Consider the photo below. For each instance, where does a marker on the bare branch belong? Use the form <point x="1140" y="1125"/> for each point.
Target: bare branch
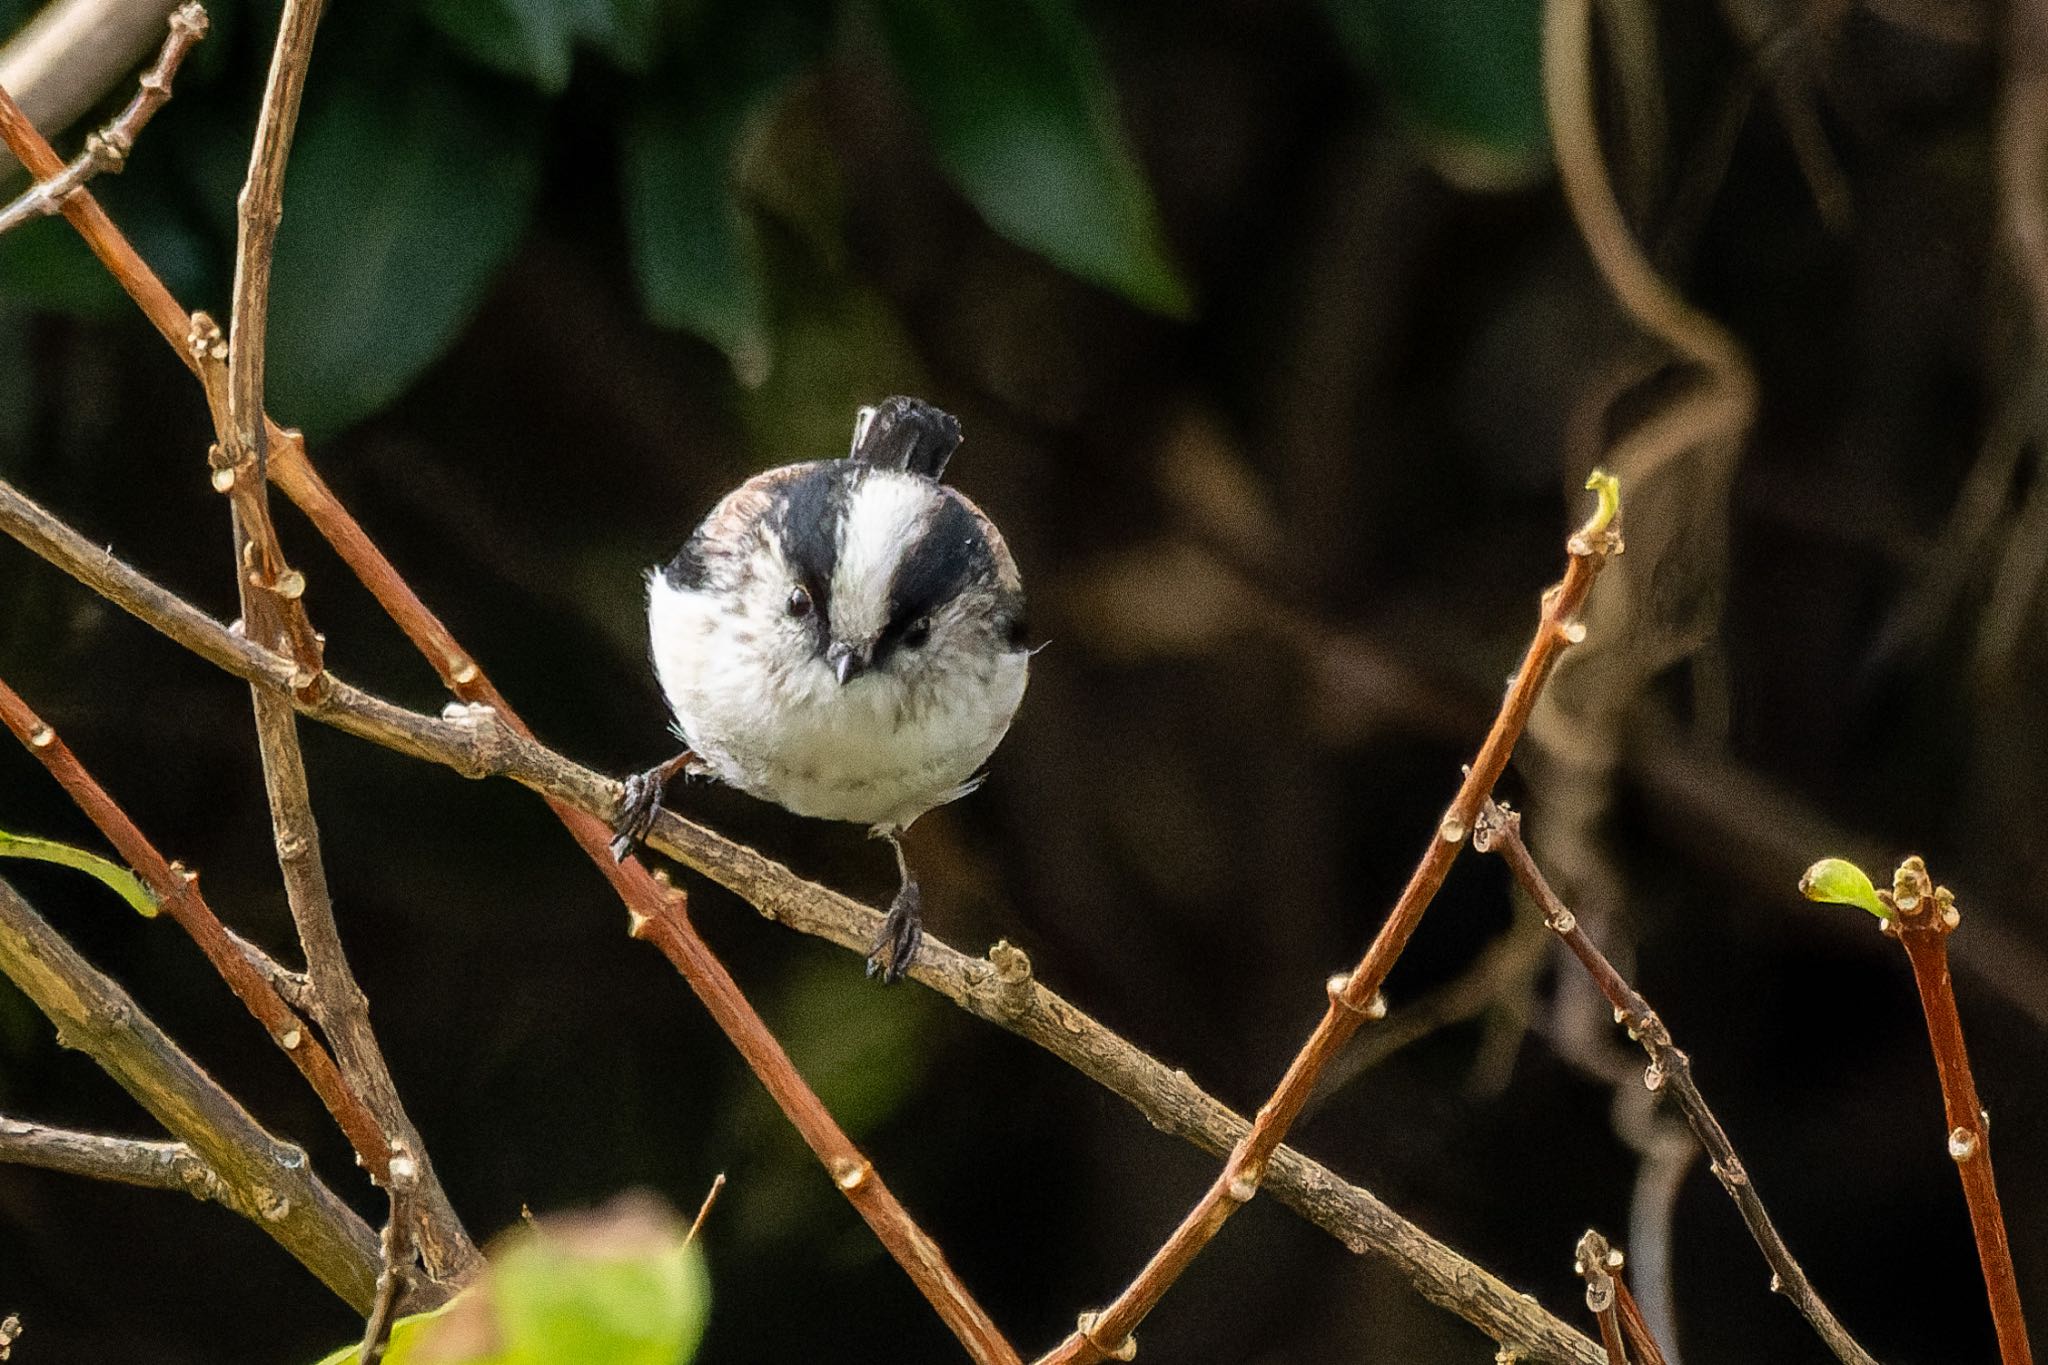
<point x="177" y="888"/>
<point x="124" y="1161"/>
<point x="1670" y="1071"/>
<point x="261" y="1172"/>
<point x="1355" y="997"/>
<point x="1923" y="916"/>
<point x="106" y="151"/>
<point x="1000" y="989"/>
<point x="395" y="1272"/>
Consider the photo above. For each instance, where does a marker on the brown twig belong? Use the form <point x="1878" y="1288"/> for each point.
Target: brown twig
<point x="1670" y="1071"/>
<point x="1355" y="997"/>
<point x="1623" y="1333"/>
<point x="476" y="742"/>
<point x="122" y="1160"/>
<point x="177" y="888"/>
<point x="1595" y="1262"/>
<point x="394" y="1274"/>
<point x="106" y="151"/>
<point x="267" y="1178"/>
<point x="704" y="1209"/>
<point x="1923" y="916"/>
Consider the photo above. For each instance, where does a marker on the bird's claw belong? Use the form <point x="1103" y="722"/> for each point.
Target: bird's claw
<point x="902" y="933"/>
<point x="637" y="805"/>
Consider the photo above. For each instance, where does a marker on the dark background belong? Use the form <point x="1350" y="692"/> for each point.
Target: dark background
<point x="550" y="282"/>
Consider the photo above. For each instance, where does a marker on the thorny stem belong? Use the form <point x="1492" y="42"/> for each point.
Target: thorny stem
<point x="1355" y="997"/>
<point x="106" y="151"/>
<point x="1670" y="1071"/>
<point x="477" y="743"/>
<point x="177" y="890"/>
<point x="1924" y="915"/>
<point x="268" y="1180"/>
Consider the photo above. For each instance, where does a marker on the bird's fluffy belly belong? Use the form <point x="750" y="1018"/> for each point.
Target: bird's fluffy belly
<point x="870" y="751"/>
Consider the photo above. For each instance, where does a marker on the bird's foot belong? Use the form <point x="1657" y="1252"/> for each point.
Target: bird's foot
<point x="901" y="933"/>
<point x="638" y="803"/>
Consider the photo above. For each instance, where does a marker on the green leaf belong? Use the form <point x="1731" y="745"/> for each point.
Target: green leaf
<point x="535" y="40"/>
<point x="1023" y="119"/>
<point x="117" y="878"/>
<point x="1837" y="881"/>
<point x="695" y="252"/>
<point x="617" y="1287"/>
<point x="1465" y="76"/>
<point x="400" y="208"/>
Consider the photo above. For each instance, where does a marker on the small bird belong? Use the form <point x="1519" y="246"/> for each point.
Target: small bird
<point x="845" y="638"/>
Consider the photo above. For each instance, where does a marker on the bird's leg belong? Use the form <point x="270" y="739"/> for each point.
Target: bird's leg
<point x="901" y="932"/>
<point x="642" y="798"/>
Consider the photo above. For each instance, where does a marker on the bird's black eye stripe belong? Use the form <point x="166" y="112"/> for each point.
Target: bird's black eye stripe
<point x="952" y="553"/>
<point x="810" y="509"/>
<point x="918" y="632"/>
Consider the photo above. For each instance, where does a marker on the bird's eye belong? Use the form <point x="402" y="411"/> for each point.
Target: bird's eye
<point x="920" y="631"/>
<point x="799" y="603"/>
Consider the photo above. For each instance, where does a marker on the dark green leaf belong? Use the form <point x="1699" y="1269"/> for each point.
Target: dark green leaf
<point x="399" y="210"/>
<point x="535" y="40"/>
<point x="1023" y="119"/>
<point x="1466" y="77"/>
<point x="694" y="250"/>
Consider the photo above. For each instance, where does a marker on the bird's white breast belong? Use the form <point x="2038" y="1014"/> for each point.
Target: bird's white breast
<point x="873" y="750"/>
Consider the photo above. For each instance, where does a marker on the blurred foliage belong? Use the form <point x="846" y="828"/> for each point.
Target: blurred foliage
<point x="619" y="1286"/>
<point x="417" y="166"/>
<point x="1467" y="79"/>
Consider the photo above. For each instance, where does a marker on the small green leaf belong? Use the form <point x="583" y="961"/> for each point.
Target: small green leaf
<point x="117" y="878"/>
<point x="1024" y="120"/>
<point x="400" y="207"/>
<point x="1608" y="489"/>
<point x="1466" y="77"/>
<point x="1837" y="881"/>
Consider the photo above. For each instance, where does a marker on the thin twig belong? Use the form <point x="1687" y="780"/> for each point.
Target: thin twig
<point x="1622" y="1330"/>
<point x="394" y="1274"/>
<point x="1670" y="1071"/>
<point x="122" y="1160"/>
<point x="1355" y="997"/>
<point x="475" y="742"/>
<point x="106" y="151"/>
<point x="1923" y="917"/>
<point x="1595" y="1262"/>
<point x="704" y="1209"/>
<point x="177" y="889"/>
<point x="266" y="1177"/>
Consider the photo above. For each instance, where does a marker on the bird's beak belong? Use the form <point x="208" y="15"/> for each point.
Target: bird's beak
<point x="847" y="661"/>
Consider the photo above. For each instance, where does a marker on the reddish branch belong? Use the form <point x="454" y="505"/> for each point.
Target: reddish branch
<point x="1355" y="997"/>
<point x="1623" y="1332"/>
<point x="177" y="889"/>
<point x="657" y="912"/>
<point x="1923" y="917"/>
<point x="1670" y="1072"/>
<point x="106" y="152"/>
